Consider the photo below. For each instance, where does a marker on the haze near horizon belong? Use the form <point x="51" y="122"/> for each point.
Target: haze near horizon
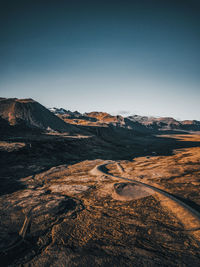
<point x="130" y="57"/>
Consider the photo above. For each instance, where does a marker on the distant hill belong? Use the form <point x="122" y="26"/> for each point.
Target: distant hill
<point x="30" y="114"/>
<point x="103" y="118"/>
<point x="99" y="119"/>
<point x="166" y="123"/>
<point x="135" y="122"/>
<point x="191" y="125"/>
<point x="67" y="113"/>
<point x="162" y="123"/>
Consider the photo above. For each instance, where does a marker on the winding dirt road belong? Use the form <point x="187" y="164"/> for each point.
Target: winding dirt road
<point x="192" y="214"/>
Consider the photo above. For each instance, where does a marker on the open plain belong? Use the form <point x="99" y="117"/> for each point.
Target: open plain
<point x="142" y="211"/>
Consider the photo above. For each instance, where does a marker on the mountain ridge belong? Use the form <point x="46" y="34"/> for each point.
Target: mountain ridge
<point x="29" y="113"/>
<point x="147" y="123"/>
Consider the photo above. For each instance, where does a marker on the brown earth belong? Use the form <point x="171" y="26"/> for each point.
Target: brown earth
<point x="67" y="214"/>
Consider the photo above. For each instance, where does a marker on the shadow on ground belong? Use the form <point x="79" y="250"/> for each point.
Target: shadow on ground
<point x="42" y="151"/>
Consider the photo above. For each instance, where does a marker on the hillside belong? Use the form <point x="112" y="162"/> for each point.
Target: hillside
<point x="27" y="113"/>
<point x="100" y="119"/>
<point x="139" y="123"/>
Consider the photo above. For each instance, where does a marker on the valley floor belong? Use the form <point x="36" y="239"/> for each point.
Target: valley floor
<point x="79" y="214"/>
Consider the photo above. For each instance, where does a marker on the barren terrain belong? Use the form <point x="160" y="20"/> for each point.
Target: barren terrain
<point x="87" y="213"/>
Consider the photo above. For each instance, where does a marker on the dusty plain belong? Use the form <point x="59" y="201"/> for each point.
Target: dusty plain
<point x="63" y="212"/>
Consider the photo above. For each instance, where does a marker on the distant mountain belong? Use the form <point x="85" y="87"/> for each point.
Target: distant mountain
<point x="31" y="114"/>
<point x="67" y="113"/>
<point x="166" y="123"/>
<point x="163" y="123"/>
<point x="89" y="119"/>
<point x="191" y="125"/>
<point x="104" y="118"/>
<point x="134" y="122"/>
<point x="99" y="119"/>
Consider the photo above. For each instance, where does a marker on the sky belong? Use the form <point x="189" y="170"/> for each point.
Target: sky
<point x="119" y="56"/>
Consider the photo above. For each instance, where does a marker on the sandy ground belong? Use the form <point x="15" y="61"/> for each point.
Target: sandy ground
<point x="81" y="216"/>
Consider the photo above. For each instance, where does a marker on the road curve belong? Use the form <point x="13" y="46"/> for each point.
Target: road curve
<point x="101" y="169"/>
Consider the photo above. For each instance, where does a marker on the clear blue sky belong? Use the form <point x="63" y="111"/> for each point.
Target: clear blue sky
<point x="128" y="57"/>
